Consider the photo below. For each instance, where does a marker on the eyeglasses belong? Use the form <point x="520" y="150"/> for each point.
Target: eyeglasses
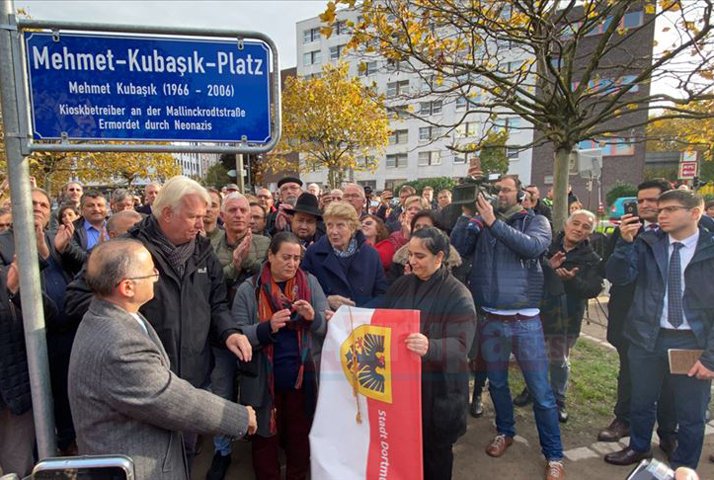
<point x="154" y="275"/>
<point x="265" y="196"/>
<point x="671" y="209"/>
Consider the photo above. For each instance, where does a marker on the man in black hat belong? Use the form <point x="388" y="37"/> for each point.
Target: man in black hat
<point x="289" y="189"/>
<point x="306" y="221"/>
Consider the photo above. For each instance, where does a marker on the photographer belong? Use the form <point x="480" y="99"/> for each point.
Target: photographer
<point x="506" y="280"/>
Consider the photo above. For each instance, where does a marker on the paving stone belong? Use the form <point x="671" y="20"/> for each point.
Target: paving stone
<point x="582" y="453"/>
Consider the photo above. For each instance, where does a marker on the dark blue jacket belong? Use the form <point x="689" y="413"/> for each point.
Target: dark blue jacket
<point x="645" y="261"/>
<point x="361" y="282"/>
<point x="506" y="272"/>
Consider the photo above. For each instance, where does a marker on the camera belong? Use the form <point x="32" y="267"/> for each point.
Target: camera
<point x="467" y="194"/>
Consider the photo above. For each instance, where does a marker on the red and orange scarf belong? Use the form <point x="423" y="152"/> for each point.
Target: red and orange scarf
<point x="272" y="299"/>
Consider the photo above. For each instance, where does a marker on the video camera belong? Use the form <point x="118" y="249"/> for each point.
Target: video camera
<point x="467" y="193"/>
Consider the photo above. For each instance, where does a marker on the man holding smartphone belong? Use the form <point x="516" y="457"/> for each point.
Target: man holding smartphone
<point x="620" y="301"/>
<point x="124" y="397"/>
<point x="671" y="309"/>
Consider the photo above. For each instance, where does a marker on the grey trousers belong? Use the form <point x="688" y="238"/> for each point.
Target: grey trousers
<point x="17" y="442"/>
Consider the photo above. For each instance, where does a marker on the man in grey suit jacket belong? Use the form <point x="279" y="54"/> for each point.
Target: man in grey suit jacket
<point x="124" y="397"/>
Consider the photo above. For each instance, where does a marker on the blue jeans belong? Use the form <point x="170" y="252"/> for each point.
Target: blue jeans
<point x="559" y="347"/>
<point x="525" y="339"/>
<point x="691" y="398"/>
<point x="223" y="378"/>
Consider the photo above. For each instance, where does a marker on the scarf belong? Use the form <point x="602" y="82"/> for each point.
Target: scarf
<point x="505" y="216"/>
<point x="176" y="255"/>
<point x="272" y="299"/>
<point x="349" y="251"/>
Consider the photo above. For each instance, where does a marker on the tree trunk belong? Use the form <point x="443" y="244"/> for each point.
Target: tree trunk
<point x="335" y="177"/>
<point x="561" y="166"/>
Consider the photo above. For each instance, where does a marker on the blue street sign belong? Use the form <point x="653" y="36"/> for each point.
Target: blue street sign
<point x="128" y="87"/>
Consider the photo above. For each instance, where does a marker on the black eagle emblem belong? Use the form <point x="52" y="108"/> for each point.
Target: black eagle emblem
<point x="366" y="360"/>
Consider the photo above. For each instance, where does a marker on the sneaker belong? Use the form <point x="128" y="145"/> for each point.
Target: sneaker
<point x="219" y="467"/>
<point x="498" y="445"/>
<point x="523" y="399"/>
<point x="476" y="407"/>
<point x="554" y="470"/>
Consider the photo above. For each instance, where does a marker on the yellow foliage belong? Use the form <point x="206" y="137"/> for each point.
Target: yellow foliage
<point x="333" y="121"/>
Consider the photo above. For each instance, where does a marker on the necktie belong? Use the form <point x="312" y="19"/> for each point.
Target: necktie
<point x="653" y="227"/>
<point x="674" y="287"/>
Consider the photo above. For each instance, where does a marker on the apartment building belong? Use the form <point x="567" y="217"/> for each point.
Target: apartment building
<point x="416" y="149"/>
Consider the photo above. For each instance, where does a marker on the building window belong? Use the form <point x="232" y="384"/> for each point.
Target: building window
<point x="428" y="133"/>
<point x="311" y="58"/>
<point x="310" y="35"/>
<point x="397" y="160"/>
<point x="466" y="129"/>
<point x="632" y="20"/>
<point x="459" y="159"/>
<point x="612" y="147"/>
<point x="397" y="88"/>
<point x="368" y="68"/>
<point x="507" y="123"/>
<point x="399" y="137"/>
<point x="341" y="28"/>
<point x="400" y="111"/>
<point x="429" y="158"/>
<point x="430" y="108"/>
<point x="336" y="52"/>
<point x="512" y="153"/>
<point x="393" y="183"/>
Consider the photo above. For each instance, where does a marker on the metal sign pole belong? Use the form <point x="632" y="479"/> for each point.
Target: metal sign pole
<point x="25" y="243"/>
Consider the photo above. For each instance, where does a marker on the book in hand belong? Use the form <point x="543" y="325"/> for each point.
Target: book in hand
<point x="651" y="469"/>
<point x="681" y="360"/>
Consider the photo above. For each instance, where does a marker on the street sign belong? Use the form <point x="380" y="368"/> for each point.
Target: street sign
<point x="148" y="88"/>
<point x="687" y="170"/>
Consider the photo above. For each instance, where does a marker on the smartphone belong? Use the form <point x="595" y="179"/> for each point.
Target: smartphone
<point x="95" y="467"/>
<point x="630" y="207"/>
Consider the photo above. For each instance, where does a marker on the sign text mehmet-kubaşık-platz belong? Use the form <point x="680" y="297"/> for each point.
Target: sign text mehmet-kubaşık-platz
<point x="114" y="87"/>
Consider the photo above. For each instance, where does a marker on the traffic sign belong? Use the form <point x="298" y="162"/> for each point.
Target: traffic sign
<point x="151" y="88"/>
<point x="687" y="170"/>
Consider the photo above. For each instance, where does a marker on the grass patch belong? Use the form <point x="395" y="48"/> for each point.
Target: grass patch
<point x="592" y="391"/>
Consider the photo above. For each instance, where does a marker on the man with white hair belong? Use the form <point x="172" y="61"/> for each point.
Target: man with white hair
<point x="189" y="303"/>
<point x="241" y="254"/>
<point x="151" y="191"/>
<point x="121" y="200"/>
<point x="315" y="189"/>
<point x="355" y="196"/>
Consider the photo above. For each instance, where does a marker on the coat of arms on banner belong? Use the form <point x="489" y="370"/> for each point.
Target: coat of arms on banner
<point x="366" y="361"/>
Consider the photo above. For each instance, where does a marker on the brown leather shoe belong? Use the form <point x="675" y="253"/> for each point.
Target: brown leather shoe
<point x="554" y="470"/>
<point x="626" y="456"/>
<point x="498" y="445"/>
<point x="614" y="432"/>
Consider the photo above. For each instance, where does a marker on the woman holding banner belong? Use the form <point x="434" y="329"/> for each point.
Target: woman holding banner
<point x="448" y="325"/>
<point x="281" y="310"/>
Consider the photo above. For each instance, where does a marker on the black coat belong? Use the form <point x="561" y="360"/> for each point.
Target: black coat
<point x="448" y="320"/>
<point x="564" y="302"/>
<point x="186" y="310"/>
<point x="14" y="376"/>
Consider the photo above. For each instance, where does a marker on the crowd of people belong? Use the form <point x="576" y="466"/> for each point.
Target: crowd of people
<point x="196" y="311"/>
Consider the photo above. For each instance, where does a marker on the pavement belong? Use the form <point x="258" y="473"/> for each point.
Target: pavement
<point x="523" y="461"/>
